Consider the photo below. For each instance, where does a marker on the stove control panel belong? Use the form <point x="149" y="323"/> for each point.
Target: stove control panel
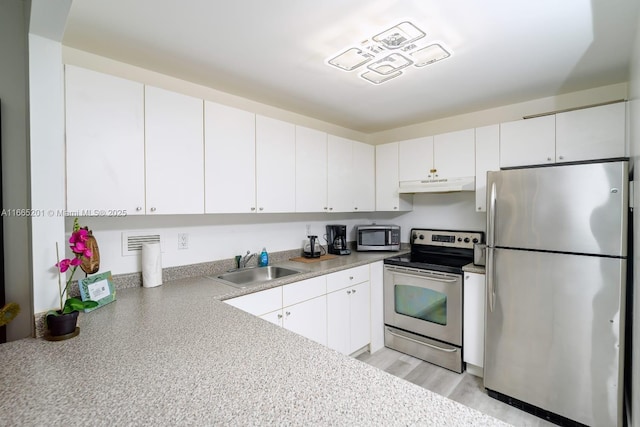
<point x="446" y="238"/>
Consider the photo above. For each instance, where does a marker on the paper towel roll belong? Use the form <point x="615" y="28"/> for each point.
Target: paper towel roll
<point x="151" y="265"/>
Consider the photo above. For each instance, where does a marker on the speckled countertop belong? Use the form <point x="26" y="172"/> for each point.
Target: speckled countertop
<point x="176" y="355"/>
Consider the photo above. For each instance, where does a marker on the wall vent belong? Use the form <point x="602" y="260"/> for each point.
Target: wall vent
<point x="132" y="241"/>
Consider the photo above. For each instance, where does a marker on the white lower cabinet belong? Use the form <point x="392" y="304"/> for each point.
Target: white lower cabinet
<point x="300" y="307"/>
<point x="308" y="318"/>
<point x="348" y="308"/>
<point x="259" y="303"/>
<point x="333" y="310"/>
<point x="473" y="328"/>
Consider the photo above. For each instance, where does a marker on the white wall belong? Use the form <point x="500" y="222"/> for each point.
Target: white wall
<point x="634" y="133"/>
<point x="13" y="106"/>
<point x="47" y="166"/>
<point x="211" y="237"/>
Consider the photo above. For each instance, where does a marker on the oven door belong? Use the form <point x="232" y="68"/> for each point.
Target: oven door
<point x="424" y="302"/>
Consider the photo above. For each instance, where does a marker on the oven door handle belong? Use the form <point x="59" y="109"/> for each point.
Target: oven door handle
<point x="435" y="347"/>
<point x="423" y="274"/>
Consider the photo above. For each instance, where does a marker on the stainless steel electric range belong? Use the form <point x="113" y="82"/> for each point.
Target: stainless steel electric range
<point x="423" y="296"/>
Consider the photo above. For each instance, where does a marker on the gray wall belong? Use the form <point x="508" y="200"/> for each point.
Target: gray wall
<point x="14" y="109"/>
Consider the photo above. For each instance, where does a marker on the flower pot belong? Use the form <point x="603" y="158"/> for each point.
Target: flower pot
<point x="62" y="326"/>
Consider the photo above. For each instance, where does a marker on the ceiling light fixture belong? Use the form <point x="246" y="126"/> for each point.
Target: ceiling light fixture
<point x="389" y="52"/>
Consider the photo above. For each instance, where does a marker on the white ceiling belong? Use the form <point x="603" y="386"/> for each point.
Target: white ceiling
<point x="274" y="51"/>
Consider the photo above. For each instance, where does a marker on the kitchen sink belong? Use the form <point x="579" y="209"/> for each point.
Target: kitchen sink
<point x="252" y="276"/>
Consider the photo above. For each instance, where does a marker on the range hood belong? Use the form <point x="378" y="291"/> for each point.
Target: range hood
<point x="444" y="185"/>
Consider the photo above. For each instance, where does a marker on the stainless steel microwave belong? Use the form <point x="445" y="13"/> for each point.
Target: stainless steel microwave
<point x="375" y="237"/>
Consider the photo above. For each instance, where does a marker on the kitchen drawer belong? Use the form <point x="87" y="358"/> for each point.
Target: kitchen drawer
<point x="349" y="277"/>
<point x="303" y="290"/>
<point x="259" y="303"/>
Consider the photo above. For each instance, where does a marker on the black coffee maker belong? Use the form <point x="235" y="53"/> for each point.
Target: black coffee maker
<point x="337" y="239"/>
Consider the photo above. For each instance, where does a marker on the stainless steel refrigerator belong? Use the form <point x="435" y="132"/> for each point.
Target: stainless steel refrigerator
<point x="556" y="272"/>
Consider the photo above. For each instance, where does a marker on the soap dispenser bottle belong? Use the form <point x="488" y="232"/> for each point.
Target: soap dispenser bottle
<point x="264" y="258"/>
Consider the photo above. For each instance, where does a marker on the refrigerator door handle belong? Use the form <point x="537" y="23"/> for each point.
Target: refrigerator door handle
<point x="491" y="217"/>
<point x="491" y="294"/>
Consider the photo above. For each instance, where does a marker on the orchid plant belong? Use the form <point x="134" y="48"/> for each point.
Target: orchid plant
<point x="78" y="245"/>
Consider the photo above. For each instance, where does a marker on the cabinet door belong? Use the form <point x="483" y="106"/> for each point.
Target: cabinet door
<point x="591" y="133"/>
<point x="363" y="170"/>
<point x="487" y="159"/>
<point x="230" y="161"/>
<point x="388" y="179"/>
<point x="104" y="142"/>
<point x="360" y="317"/>
<point x="474" y="306"/>
<point x="376" y="298"/>
<point x="274" y="317"/>
<point x="259" y="303"/>
<point x="308" y="319"/>
<point x="340" y="193"/>
<point x="454" y="154"/>
<point x="338" y="321"/>
<point x="174" y="153"/>
<point x="387" y="196"/>
<point x="528" y="142"/>
<point x="311" y="170"/>
<point x="415" y="159"/>
<point x="275" y="165"/>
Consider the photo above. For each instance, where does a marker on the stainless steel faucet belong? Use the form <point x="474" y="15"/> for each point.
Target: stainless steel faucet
<point x="245" y="259"/>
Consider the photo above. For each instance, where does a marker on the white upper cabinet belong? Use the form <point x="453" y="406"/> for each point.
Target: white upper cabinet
<point x="104" y="142"/>
<point x="528" y="142"/>
<point x="487" y="159"/>
<point x="311" y="170"/>
<point x="230" y="159"/>
<point x="585" y="134"/>
<point x="454" y="154"/>
<point x="340" y="174"/>
<point x="448" y="155"/>
<point x="174" y="153"/>
<point x="387" y="178"/>
<point x="351" y="175"/>
<point x="591" y="133"/>
<point x="416" y="159"/>
<point x="275" y="165"/>
<point x="364" y="177"/>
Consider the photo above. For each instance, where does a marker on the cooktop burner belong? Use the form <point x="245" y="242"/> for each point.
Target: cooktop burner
<point x="439" y="250"/>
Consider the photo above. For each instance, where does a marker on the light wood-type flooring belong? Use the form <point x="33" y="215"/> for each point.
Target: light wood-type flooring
<point x="464" y="388"/>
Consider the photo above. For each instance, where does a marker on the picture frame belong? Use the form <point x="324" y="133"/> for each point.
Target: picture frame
<point x="99" y="288"/>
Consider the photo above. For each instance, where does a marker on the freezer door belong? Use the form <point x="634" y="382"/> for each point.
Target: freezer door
<point x="553" y="333"/>
<point x="580" y="208"/>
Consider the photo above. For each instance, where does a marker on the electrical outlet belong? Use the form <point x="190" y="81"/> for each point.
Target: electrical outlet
<point x="183" y="241"/>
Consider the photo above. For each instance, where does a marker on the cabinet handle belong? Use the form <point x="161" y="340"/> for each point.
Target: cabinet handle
<point x="325" y="208"/>
<point x="433" y="170"/>
<point x="330" y="209"/>
<point x="354" y="291"/>
<point x="261" y="208"/>
<point x="479" y="208"/>
<point x="356" y="208"/>
<point x="350" y="277"/>
<point x="561" y="157"/>
<point x="548" y="159"/>
<point x="288" y="313"/>
<point x="348" y="292"/>
<point x="279" y="316"/>
<point x="153" y="209"/>
<point x="395" y="207"/>
<point x="139" y="208"/>
<point x="253" y="209"/>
